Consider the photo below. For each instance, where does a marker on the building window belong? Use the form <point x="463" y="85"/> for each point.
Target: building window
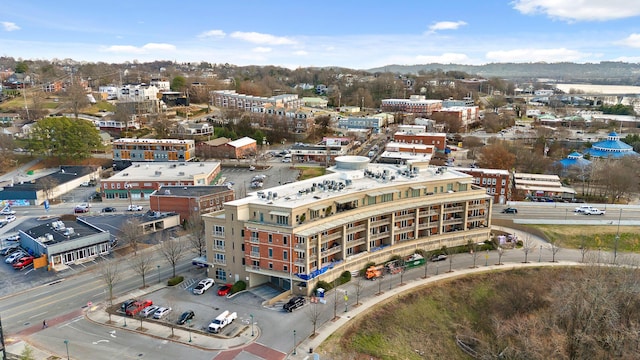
<point x="270" y="252"/>
<point x="484" y="181"/>
<point x="493" y="182"/>
<point x="285" y="255"/>
<point x="255" y="251"/>
<point x="282" y="220"/>
<point x="270" y="238"/>
<point x="285" y="239"/>
<point x="218" y="230"/>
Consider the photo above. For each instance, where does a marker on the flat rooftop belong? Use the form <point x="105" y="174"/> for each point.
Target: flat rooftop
<point x="164" y="171"/>
<point x="57" y="231"/>
<point x="357" y="183"/>
<point x="187" y="191"/>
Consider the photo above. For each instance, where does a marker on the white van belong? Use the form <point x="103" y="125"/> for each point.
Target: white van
<point x="286" y="158"/>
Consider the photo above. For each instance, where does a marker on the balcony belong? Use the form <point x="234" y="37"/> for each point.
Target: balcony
<point x="380" y="222"/>
<point x="255" y="254"/>
<point x="331" y="251"/>
<point x="452" y="209"/>
<point x="332" y="236"/>
<point x="220" y="262"/>
<point x="356" y="229"/>
<point x="300" y="246"/>
<point x="405" y="217"/>
<point x="378" y="235"/>
<point x="301" y="261"/>
<point x="254" y="240"/>
<point x="219" y="234"/>
<point x="218" y="248"/>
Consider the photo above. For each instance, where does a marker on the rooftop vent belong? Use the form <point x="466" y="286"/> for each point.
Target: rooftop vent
<point x="167" y="192"/>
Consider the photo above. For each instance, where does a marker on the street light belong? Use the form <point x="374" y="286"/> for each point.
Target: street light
<point x="251" y="315"/>
<point x="66" y="344"/>
<point x="540" y="254"/>
<point x="294" y="342"/>
<point x="346" y="301"/>
<point x="125" y="321"/>
<point x="158" y="266"/>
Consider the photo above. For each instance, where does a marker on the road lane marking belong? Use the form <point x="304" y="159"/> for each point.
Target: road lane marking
<point x="38" y="315"/>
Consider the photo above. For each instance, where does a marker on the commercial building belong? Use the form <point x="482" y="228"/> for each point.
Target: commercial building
<point x="58" y="243"/>
<point x="539" y="185"/>
<point x="375" y="124"/>
<point x="438" y="140"/>
<point x="231" y="99"/>
<point x="126" y="149"/>
<point x="324" y="152"/>
<point x="296" y="234"/>
<point x="189" y="200"/>
<point x="417" y="104"/>
<point x="140" y="180"/>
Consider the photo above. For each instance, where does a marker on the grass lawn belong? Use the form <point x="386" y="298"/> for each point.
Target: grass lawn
<point x="593" y="236"/>
<point x="308" y="172"/>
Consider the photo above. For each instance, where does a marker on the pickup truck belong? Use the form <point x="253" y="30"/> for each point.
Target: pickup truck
<point x="137" y="306"/>
<point x="222" y="320"/>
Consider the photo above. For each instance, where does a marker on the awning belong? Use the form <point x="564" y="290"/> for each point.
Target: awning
<point x="318" y="207"/>
<point x="383" y="192"/>
<point x="417" y="187"/>
<point x="347" y="200"/>
<point x="279" y="213"/>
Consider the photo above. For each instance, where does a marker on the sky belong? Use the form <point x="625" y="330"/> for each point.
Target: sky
<point x="351" y="34"/>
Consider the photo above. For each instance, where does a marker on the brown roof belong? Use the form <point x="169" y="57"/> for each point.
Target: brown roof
<point x="217" y="141"/>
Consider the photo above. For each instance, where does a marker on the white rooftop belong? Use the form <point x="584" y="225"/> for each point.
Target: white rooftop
<point x="482" y="170"/>
<point x="241" y="142"/>
<point x="365" y="178"/>
<point x="164" y="171"/>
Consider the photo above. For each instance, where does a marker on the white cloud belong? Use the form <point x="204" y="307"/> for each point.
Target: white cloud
<point x="445" y="25"/>
<point x="579" y="10"/>
<point x="632" y="40"/>
<point x="9" y="26"/>
<point x="261" y="49"/>
<point x="212" y="34"/>
<point x="150" y="47"/>
<point x="265" y="39"/>
<point x="300" y="53"/>
<point x="536" y="55"/>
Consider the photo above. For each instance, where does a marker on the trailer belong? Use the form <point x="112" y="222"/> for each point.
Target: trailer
<point x="414" y="260"/>
<point x="374" y="272"/>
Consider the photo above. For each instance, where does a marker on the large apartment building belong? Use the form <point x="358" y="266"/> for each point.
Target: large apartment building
<point x="296" y="234"/>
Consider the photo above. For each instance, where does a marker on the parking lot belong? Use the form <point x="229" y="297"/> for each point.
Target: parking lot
<point x="276" y="173"/>
<point x="209" y="305"/>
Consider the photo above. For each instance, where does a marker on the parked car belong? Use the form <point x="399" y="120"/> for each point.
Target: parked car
<point x="186" y="316"/>
<point x="7" y="211"/>
<point x="203" y="286"/>
<point x="161" y="312"/>
<point x="126" y="304"/>
<point x="15" y="237"/>
<point x="10" y="218"/>
<point x="85" y="184"/>
<point x="9" y="250"/>
<point x="224" y="290"/>
<point x="260" y="177"/>
<point x="509" y="210"/>
<point x="22" y="262"/>
<point x="582" y="208"/>
<point x="286" y="160"/>
<point x="294" y="303"/>
<point x="15" y="257"/>
<point x="439" y="257"/>
<point x="108" y="209"/>
<point x="137" y="306"/>
<point x="594" y="211"/>
<point x="149" y="310"/>
<point x="134" y="208"/>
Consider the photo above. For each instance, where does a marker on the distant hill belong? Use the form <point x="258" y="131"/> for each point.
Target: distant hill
<point x="605" y="72"/>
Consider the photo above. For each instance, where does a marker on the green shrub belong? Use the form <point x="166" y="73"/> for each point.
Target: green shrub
<point x="175" y="281"/>
<point x="238" y="286"/>
<point x="323" y="284"/>
<point x="345" y="277"/>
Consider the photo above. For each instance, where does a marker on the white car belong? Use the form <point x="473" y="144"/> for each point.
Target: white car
<point x="7" y="211"/>
<point x="149" y="310"/>
<point x="161" y="312"/>
<point x="203" y="286"/>
<point x="134" y="208"/>
<point x="10" y="218"/>
<point x="15" y="256"/>
<point x="15" y="237"/>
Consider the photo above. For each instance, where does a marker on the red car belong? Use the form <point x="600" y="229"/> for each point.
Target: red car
<point x="137" y="306"/>
<point x="224" y="290"/>
<point x="27" y="260"/>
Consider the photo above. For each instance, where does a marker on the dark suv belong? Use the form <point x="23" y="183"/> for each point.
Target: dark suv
<point x="294" y="303"/>
<point x="510" y="210"/>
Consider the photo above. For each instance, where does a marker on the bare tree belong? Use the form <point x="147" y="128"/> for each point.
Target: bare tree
<point x="130" y="233"/>
<point x="110" y="275"/>
<point x="473" y="251"/>
<point x="450" y="254"/>
<point x="527" y="247"/>
<point x="554" y="244"/>
<point x="76" y="98"/>
<point x="584" y="249"/>
<point x="359" y="286"/>
<point x="313" y="312"/>
<point x="172" y="249"/>
<point x="141" y="264"/>
<point x="195" y="227"/>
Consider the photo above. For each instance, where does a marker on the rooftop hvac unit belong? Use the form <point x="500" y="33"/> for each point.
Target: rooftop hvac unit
<point x="173" y="166"/>
<point x="136" y="165"/>
<point x="275" y="195"/>
<point x="181" y="173"/>
<point x="201" y="164"/>
<point x="167" y="192"/>
<point x="158" y="173"/>
<point x="68" y="231"/>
